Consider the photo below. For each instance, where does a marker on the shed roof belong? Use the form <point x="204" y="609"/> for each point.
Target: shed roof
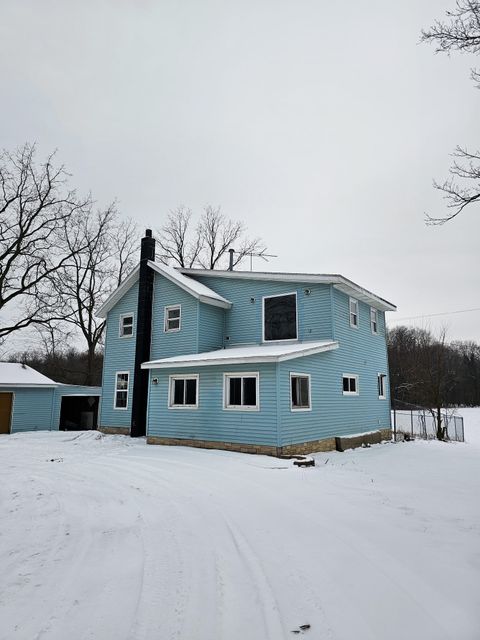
<point x="16" y="374"/>
<point x="338" y="281"/>
<point x="244" y="355"/>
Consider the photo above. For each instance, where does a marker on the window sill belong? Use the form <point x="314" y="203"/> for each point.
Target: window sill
<point x="243" y="409"/>
<point x="183" y="407"/>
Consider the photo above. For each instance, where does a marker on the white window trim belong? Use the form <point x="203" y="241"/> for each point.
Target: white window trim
<point x="295" y="374"/>
<point x="280" y="295"/>
<point x="117" y="373"/>
<point x="240" y="374"/>
<point x="374" y="331"/>
<point x="357" y="387"/>
<point x="120" y="325"/>
<point x="350" y="300"/>
<point x="384" y="376"/>
<point x="165" y="318"/>
<point x="171" y="379"/>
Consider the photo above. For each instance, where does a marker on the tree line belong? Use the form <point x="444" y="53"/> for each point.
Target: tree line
<point x="428" y="371"/>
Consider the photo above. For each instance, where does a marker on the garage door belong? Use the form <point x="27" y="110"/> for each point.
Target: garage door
<point x="6" y="401"/>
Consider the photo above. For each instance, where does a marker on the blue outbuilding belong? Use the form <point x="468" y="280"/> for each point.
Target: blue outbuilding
<point x="29" y="401"/>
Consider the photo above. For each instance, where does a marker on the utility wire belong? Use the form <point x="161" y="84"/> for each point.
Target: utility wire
<point x="433" y="315"/>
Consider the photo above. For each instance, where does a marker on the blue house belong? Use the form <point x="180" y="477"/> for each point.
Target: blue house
<point x="275" y="363"/>
<point x="29" y="401"/>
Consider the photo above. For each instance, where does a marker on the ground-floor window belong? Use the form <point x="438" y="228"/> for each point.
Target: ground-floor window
<point x="382" y="379"/>
<point x="300" y="392"/>
<point x="350" y="384"/>
<point x="183" y="392"/>
<point x="241" y="391"/>
<point x="121" y="390"/>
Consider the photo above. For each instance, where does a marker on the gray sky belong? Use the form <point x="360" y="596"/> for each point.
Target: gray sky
<point x="319" y="124"/>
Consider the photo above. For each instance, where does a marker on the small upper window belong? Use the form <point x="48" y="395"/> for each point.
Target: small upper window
<point x="374" y="320"/>
<point x="121" y="390"/>
<point x="280" y="317"/>
<point x="184" y="392"/>
<point x="241" y="391"/>
<point x="126" y="325"/>
<point x="300" y="391"/>
<point x="382" y="379"/>
<point x="350" y="385"/>
<point x="353" y="312"/>
<point x="173" y="318"/>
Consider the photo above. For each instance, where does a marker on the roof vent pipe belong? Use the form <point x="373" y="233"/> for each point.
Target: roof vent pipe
<point x="230" y="265"/>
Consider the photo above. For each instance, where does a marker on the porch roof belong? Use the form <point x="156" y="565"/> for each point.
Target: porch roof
<point x="244" y="355"/>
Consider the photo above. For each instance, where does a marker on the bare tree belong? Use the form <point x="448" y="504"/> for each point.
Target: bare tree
<point x="460" y="33"/>
<point x="178" y="240"/>
<point x="36" y="210"/>
<point x="206" y="244"/>
<point x="108" y="248"/>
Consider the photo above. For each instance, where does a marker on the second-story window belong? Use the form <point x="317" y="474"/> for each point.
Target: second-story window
<point x="354" y="313"/>
<point x="173" y="318"/>
<point x="126" y="325"/>
<point x="280" y="317"/>
<point x="374" y="320"/>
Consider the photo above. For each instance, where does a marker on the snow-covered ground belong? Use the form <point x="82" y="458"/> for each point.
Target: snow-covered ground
<point x="105" y="538"/>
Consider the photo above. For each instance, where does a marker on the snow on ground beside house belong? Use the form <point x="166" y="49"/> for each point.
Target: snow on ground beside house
<point x="104" y="537"/>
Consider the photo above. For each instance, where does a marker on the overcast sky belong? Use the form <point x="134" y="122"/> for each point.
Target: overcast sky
<point x="319" y="124"/>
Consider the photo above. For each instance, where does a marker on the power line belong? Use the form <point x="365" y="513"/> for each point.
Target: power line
<point x="433" y="315"/>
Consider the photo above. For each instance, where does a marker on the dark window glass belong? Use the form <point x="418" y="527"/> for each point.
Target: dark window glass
<point x="173" y="313"/>
<point x="235" y="397"/>
<point x="191" y="392"/>
<point x="280" y="316"/>
<point x="178" y="390"/>
<point x="294" y="392"/>
<point x="121" y="400"/>
<point x="249" y="392"/>
<point x="353" y="385"/>
<point x="300" y="392"/>
<point x="346" y="386"/>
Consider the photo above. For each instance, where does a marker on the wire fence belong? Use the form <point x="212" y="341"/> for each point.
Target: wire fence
<point x="421" y="423"/>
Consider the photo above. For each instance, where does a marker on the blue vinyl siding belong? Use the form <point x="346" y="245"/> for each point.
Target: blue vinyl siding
<point x="210" y="421"/>
<point x="243" y="322"/>
<point x="166" y="344"/>
<point x="119" y="356"/>
<point x="32" y="408"/>
<point x="360" y="353"/>
<point x="211" y="324"/>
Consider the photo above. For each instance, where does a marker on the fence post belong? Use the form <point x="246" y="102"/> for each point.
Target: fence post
<point x="411" y="421"/>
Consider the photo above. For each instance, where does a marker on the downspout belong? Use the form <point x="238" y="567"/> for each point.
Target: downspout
<point x="143" y="337"/>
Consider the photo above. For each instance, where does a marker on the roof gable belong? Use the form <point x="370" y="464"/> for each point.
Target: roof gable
<point x="16" y="374"/>
<point x="196" y="289"/>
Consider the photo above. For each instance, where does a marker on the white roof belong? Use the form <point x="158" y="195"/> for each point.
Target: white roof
<point x="191" y="286"/>
<point x="244" y="355"/>
<point x="338" y="281"/>
<point x="15" y="374"/>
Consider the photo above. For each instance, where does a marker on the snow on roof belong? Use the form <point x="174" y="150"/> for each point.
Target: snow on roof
<point x="338" y="281"/>
<point x="191" y="286"/>
<point x="195" y="288"/>
<point x="15" y="374"/>
<point x="244" y="355"/>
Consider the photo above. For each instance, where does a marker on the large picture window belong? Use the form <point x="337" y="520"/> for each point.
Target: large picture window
<point x="280" y="317"/>
<point x="121" y="390"/>
<point x="300" y="392"/>
<point x="241" y="391"/>
<point x="183" y="392"/>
